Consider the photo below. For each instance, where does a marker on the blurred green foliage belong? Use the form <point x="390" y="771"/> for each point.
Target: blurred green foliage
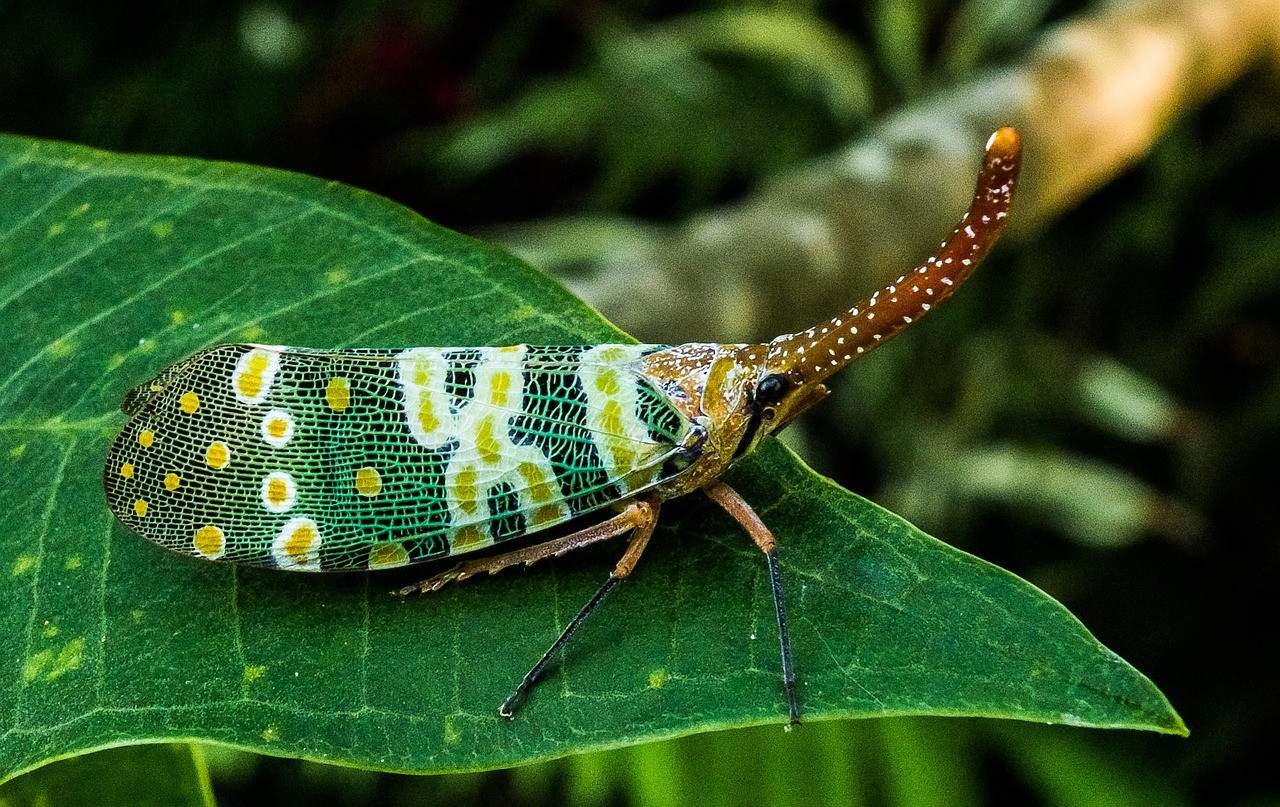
<point x="1098" y="412"/>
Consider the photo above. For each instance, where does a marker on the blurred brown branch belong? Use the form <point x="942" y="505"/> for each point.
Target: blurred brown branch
<point x="1089" y="99"/>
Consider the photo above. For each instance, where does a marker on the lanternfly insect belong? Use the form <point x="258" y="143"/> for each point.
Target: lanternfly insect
<point x="323" y="460"/>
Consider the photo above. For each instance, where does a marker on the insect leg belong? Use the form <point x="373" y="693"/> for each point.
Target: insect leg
<point x="632" y="516"/>
<point x="736" y="506"/>
<point x="639" y="540"/>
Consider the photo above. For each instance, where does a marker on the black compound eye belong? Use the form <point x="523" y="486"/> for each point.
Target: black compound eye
<point x="771" y="389"/>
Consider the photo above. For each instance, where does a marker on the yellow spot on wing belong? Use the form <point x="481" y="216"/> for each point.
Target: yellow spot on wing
<point x="250" y="381"/>
<point x="171" y="481"/>
<point x="607" y="382"/>
<point x="611" y="419"/>
<point x="427" y="417"/>
<point x="126" y="470"/>
<point x="189" y="402"/>
<point x="500" y="385"/>
<point x="146" y="437"/>
<point x="209" y="541"/>
<point x="217" y="456"/>
<point x="490" y="449"/>
<point x="299" y="542"/>
<point x="368" y="482"/>
<point x="469" y="535"/>
<point x="539" y="490"/>
<point x="337" y="394"/>
<point x="277" y="492"/>
<point x="140" y="507"/>
<point x="387" y="555"/>
<point x="547" y="514"/>
<point x="464" y="490"/>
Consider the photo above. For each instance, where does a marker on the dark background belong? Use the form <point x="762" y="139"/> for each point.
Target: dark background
<point x="1100" y="416"/>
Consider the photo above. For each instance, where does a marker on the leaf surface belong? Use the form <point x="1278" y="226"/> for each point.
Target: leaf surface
<point x="111" y="267"/>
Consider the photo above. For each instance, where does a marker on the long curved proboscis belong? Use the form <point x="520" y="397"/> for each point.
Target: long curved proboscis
<point x="811" y="356"/>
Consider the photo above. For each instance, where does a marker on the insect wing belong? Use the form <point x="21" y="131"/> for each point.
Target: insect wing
<point x="310" y="460"/>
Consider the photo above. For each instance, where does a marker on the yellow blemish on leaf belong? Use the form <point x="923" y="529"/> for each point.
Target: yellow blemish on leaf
<point x="137" y="614"/>
<point x="62" y="348"/>
<point x="524" y="312"/>
<point x="69" y="658"/>
<point x="115" y="361"/>
<point x="500" y="385"/>
<point x="101" y="224"/>
<point x="18" y="450"/>
<point x="50" y="631"/>
<point x="254" y="672"/>
<point x="658" y="678"/>
<point x="73" y="562"/>
<point x="451" y="733"/>
<point x="146" y="437"/>
<point x="336" y="276"/>
<point x="140" y="507"/>
<point x="337" y="394"/>
<point x="217" y="455"/>
<point x="387" y="555"/>
<point x="607" y="382"/>
<point x="178" y="317"/>
<point x="171" y="481"/>
<point x="162" y="228"/>
<point x="189" y="402"/>
<point x="56" y="230"/>
<point x="368" y="482"/>
<point x="209" y="541"/>
<point x="490" y="449"/>
<point x="126" y="470"/>
<point x="469" y="535"/>
<point x="271" y="733"/>
<point x="251" y="333"/>
<point x="464" y="490"/>
<point x="35" y="664"/>
<point x="23" y="564"/>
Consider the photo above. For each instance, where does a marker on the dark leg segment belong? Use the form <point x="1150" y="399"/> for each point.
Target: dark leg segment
<point x="736" y="506"/>
<point x="639" y="540"/>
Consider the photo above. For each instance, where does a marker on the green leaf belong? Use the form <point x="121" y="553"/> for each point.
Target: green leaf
<point x="111" y="267"/>
<point x="168" y="775"/>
